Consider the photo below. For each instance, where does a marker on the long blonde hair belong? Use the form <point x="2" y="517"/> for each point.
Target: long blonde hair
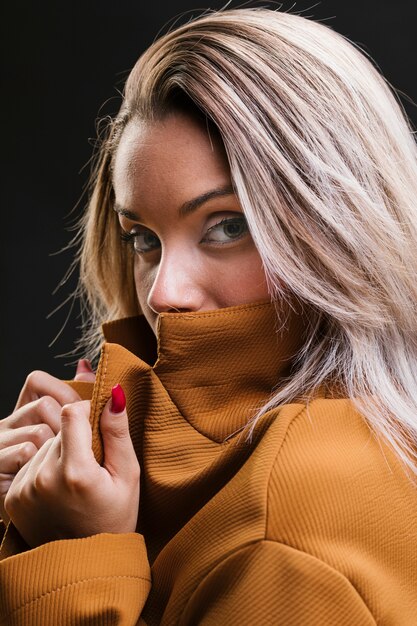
<point x="324" y="164"/>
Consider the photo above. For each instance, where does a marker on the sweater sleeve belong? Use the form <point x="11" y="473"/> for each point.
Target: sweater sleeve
<point x="98" y="580"/>
<point x="273" y="584"/>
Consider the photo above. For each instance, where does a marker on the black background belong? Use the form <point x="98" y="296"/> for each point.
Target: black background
<point x="63" y="67"/>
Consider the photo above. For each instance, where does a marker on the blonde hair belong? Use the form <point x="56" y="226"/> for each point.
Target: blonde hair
<point x="324" y="164"/>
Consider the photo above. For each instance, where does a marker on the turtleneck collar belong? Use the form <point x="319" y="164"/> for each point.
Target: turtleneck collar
<point x="219" y="366"/>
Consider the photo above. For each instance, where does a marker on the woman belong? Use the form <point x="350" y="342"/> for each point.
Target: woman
<point x="263" y="178"/>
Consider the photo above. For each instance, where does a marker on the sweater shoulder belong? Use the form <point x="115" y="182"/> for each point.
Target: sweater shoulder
<point x="332" y="474"/>
<point x="322" y="435"/>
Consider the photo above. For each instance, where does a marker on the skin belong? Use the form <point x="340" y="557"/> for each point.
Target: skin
<point x="50" y="484"/>
<point x="187" y="263"/>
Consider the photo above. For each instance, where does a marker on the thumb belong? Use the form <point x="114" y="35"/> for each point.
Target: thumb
<point x="84" y="371"/>
<point x="119" y="453"/>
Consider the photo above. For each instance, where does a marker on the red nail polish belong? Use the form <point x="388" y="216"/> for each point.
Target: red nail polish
<point x="118" y="399"/>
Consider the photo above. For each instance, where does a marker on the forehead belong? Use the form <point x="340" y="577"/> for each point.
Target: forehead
<point x="177" y="134"/>
<point x="177" y="155"/>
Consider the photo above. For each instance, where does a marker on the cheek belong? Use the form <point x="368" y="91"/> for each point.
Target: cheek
<point x="243" y="281"/>
<point x="143" y="282"/>
<point x="253" y="281"/>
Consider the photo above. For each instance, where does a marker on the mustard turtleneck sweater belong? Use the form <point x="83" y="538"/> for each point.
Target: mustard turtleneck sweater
<point x="312" y="522"/>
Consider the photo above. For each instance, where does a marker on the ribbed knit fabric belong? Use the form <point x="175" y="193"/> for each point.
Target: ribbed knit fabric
<point x="312" y="522"/>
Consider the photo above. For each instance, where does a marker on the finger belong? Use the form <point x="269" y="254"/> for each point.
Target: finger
<point x="40" y="384"/>
<point x="76" y="435"/>
<point x="45" y="410"/>
<point x="37" y="434"/>
<point x="43" y="469"/>
<point x="33" y="464"/>
<point x="119" y="454"/>
<point x="12" y="459"/>
<point x="84" y="371"/>
<point x="13" y="495"/>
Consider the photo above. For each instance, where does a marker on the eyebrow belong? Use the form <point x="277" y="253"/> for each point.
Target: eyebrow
<point x="187" y="207"/>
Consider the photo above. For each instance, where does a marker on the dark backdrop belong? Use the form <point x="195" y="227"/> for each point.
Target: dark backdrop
<point x="63" y="67"/>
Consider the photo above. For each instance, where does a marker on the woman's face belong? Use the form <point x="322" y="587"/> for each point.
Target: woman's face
<point x="176" y="207"/>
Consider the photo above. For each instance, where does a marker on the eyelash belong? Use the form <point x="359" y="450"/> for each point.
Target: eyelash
<point x="230" y="220"/>
<point x="129" y="238"/>
<point x="126" y="237"/>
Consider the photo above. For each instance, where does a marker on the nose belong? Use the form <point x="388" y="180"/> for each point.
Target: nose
<point x="177" y="285"/>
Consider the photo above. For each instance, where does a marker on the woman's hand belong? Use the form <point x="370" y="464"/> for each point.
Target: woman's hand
<point x="63" y="493"/>
<point x="35" y="419"/>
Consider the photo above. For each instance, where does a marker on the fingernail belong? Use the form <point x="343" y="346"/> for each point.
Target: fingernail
<point x="118" y="399"/>
<point x="83" y="367"/>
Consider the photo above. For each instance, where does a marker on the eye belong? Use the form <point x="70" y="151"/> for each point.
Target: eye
<point x="227" y="230"/>
<point x="142" y="240"/>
